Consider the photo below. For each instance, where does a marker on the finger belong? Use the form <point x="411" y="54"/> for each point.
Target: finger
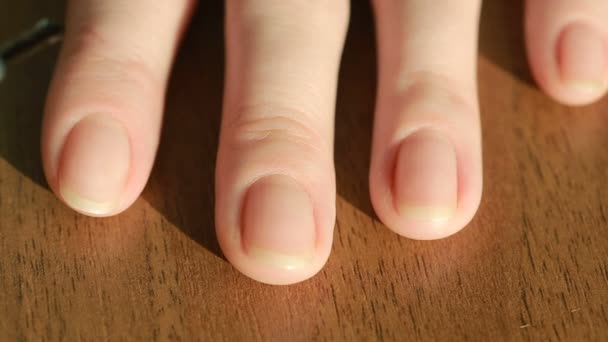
<point x="275" y="186"/>
<point x="567" y="43"/>
<point x="425" y="178"/>
<point x="103" y="114"/>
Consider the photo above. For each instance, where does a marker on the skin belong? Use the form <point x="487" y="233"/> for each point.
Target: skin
<point x="275" y="182"/>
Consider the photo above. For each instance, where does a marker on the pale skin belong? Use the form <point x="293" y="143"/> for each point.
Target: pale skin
<point x="275" y="181"/>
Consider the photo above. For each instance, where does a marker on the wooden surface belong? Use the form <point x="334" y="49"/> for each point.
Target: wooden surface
<point x="532" y="265"/>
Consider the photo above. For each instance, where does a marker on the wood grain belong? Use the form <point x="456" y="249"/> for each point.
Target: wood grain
<point x="532" y="265"/>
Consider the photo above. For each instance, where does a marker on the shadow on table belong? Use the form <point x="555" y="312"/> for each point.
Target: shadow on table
<point x="22" y="96"/>
<point x="23" y="91"/>
<point x="501" y="37"/>
<point x="181" y="186"/>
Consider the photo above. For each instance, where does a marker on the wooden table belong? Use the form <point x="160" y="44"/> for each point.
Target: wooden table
<point x="532" y="265"/>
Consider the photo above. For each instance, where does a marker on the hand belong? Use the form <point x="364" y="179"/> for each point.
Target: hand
<point x="275" y="186"/>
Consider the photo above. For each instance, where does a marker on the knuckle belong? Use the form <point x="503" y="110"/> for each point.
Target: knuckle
<point x="431" y="92"/>
<point x="425" y="84"/>
<point x="288" y="130"/>
<point x="92" y="57"/>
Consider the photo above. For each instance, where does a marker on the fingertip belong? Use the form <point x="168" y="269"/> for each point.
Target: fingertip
<point x="581" y="55"/>
<point x="424" y="187"/>
<point x="277" y="222"/>
<point x="433" y="191"/>
<point x="94" y="165"/>
<point x="279" y="234"/>
<point x="426" y="172"/>
<point x="273" y="224"/>
<point x="278" y="240"/>
<point x="567" y="45"/>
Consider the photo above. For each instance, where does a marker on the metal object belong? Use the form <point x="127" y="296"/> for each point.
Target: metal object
<point x="43" y="34"/>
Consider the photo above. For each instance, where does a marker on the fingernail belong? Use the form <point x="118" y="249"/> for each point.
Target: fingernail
<point x="582" y="57"/>
<point x="278" y="226"/>
<point x="95" y="165"/>
<point x="426" y="180"/>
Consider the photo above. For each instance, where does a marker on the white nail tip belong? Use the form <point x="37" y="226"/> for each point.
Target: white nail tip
<point x="587" y="86"/>
<point x="84" y="205"/>
<point x="433" y="214"/>
<point x="279" y="260"/>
